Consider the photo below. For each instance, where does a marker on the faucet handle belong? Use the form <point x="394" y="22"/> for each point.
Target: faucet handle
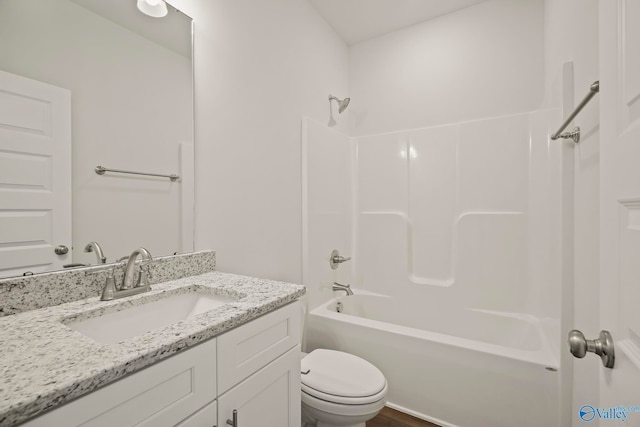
<point x="335" y="259"/>
<point x="110" y="287"/>
<point x="145" y="273"/>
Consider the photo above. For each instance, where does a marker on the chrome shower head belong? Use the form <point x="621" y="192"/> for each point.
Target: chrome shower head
<point x="342" y="104"/>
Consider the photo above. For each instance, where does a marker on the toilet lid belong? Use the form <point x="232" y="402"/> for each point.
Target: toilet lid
<point x="340" y="374"/>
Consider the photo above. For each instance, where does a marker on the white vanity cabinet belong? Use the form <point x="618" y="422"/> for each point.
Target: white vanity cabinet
<point x="259" y="371"/>
<point x="253" y="369"/>
<point x="268" y="398"/>
<point x="161" y="395"/>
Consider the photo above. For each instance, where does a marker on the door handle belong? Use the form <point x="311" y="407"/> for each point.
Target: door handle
<point x="61" y="250"/>
<point x="602" y="346"/>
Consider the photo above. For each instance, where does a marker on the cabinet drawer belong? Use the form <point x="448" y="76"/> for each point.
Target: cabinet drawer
<point x="160" y="395"/>
<point x="246" y="349"/>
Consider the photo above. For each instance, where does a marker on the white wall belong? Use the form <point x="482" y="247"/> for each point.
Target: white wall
<point x="482" y="61"/>
<point x="131" y="107"/>
<point x="259" y="67"/>
<point x="578" y="42"/>
<point x="327" y="208"/>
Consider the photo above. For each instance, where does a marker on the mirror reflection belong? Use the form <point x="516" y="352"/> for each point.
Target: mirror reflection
<point x="89" y="83"/>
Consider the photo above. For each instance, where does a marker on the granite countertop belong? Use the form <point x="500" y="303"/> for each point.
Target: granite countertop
<point x="44" y="363"/>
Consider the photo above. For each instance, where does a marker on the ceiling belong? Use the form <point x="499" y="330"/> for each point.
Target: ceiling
<point x="358" y="20"/>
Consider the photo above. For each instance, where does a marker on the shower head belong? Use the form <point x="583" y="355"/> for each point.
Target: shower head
<point x="342" y="104"/>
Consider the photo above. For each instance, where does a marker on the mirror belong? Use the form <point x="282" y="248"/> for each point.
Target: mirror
<point x="130" y="79"/>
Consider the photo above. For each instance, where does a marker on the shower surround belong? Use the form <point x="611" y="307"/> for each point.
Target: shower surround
<point x="443" y="220"/>
<point x="462" y="213"/>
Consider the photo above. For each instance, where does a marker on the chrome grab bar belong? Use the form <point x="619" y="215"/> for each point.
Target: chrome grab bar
<point x="575" y="133"/>
<point x="100" y="170"/>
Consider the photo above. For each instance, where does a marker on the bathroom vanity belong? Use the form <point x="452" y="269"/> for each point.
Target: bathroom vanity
<point x="252" y="369"/>
<point x="242" y="356"/>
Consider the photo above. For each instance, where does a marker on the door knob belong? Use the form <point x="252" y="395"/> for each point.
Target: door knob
<point x="61" y="250"/>
<point x="603" y="346"/>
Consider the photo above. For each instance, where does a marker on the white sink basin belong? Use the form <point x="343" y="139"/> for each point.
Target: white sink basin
<point x="115" y="327"/>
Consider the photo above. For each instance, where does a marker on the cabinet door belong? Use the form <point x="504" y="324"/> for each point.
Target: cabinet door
<point x="158" y="396"/>
<point x="268" y="398"/>
<point x="205" y="417"/>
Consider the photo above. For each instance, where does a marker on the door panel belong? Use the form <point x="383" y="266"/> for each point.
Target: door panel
<point x="620" y="205"/>
<point x="35" y="175"/>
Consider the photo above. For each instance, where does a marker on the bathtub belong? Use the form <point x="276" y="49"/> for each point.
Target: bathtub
<point x="451" y="366"/>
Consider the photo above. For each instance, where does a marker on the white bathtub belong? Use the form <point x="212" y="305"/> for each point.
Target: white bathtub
<point x="454" y="367"/>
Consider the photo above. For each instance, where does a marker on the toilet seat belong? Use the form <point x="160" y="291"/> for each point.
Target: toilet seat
<point x="341" y="378"/>
<point x="314" y="405"/>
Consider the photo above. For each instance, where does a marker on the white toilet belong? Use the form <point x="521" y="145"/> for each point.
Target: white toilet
<point x="340" y="389"/>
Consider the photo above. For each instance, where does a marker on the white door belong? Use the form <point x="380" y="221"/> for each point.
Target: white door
<point x="619" y="210"/>
<point x="35" y="175"/>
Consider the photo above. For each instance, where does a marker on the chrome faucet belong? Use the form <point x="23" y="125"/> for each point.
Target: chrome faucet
<point x="130" y="270"/>
<point x="95" y="247"/>
<point x="130" y="286"/>
<point x="340" y="287"/>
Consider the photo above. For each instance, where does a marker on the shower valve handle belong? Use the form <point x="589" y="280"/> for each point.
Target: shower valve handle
<point x="336" y="259"/>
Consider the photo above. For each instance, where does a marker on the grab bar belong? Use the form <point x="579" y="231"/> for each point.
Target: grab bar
<point x="100" y="170"/>
<point x="575" y="133"/>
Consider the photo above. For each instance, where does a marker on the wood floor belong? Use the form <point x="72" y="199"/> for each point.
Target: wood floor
<point x="391" y="418"/>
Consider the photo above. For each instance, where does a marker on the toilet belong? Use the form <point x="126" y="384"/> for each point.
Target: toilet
<point x="340" y="389"/>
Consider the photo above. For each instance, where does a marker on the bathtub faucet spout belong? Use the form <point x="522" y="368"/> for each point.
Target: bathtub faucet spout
<point x="339" y="287"/>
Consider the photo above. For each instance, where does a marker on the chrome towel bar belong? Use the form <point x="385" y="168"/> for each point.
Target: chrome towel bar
<point x="100" y="170"/>
<point x="575" y="133"/>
